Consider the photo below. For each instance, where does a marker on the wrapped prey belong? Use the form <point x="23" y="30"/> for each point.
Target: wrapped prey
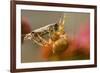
<point x="36" y="35"/>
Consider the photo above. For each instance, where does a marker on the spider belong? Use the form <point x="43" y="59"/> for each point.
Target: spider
<point x="57" y="36"/>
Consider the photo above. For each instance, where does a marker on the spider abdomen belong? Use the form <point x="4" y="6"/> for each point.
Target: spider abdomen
<point x="60" y="45"/>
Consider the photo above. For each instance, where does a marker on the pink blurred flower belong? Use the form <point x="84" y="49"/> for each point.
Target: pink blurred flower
<point x="83" y="38"/>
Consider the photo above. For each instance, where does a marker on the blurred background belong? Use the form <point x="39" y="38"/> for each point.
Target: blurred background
<point x="30" y="52"/>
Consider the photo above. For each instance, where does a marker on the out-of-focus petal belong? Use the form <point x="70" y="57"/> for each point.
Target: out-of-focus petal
<point x="25" y="27"/>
